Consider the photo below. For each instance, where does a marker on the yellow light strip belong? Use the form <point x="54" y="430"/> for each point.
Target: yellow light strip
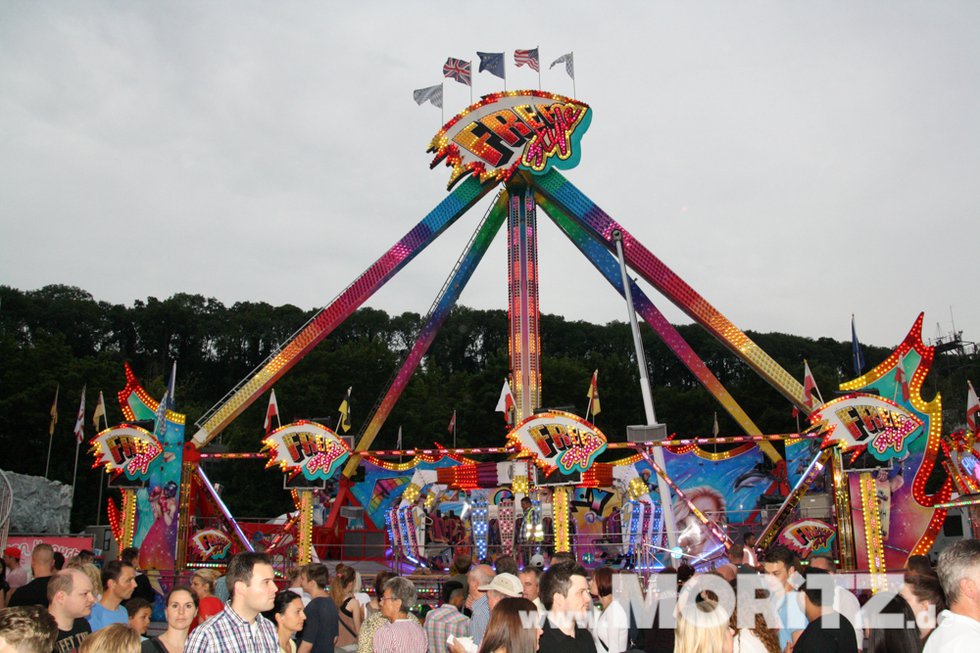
<point x="872" y="532"/>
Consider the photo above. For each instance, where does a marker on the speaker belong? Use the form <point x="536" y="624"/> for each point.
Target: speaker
<point x="646" y="433"/>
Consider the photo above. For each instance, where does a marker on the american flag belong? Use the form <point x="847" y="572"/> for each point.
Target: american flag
<point x="529" y="57"/>
<point x="459" y="70"/>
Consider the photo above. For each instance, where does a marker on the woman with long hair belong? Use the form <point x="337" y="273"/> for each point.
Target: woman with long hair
<point x="883" y="637"/>
<point x="114" y="638"/>
<point x="760" y="638"/>
<point x="289" y="617"/>
<point x="925" y="596"/>
<point x="180" y="608"/>
<point x="208" y="605"/>
<point x="507" y="632"/>
<point x="348" y="608"/>
<point x="612" y="627"/>
<point x="702" y="627"/>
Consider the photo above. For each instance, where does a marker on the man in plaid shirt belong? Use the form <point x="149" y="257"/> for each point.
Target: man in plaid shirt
<point x="240" y="628"/>
<point x="447" y="619"/>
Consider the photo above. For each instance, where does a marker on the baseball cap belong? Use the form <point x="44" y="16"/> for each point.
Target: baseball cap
<point x="13" y="552"/>
<point x="507" y="584"/>
<point x="537" y="560"/>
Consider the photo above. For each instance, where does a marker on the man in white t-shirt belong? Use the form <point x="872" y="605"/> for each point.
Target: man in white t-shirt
<point x="959" y="626"/>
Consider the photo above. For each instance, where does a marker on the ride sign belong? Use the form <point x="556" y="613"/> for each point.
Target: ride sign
<point x="126" y="449"/>
<point x="863" y="420"/>
<point x="558" y="440"/>
<point x="306" y="447"/>
<point x="530" y="130"/>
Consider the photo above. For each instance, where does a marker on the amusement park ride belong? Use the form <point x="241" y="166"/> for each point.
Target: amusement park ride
<point x="878" y="447"/>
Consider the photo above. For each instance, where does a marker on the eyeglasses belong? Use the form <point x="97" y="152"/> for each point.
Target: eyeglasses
<point x="388" y="598"/>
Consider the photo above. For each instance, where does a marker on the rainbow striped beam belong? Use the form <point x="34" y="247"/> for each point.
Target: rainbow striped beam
<point x="608" y="266"/>
<point x="524" y="309"/>
<point x="569" y="199"/>
<point x="323" y="323"/>
<point x="437" y="317"/>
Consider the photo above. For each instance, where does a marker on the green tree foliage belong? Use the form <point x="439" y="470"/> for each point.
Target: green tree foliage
<point x="62" y="335"/>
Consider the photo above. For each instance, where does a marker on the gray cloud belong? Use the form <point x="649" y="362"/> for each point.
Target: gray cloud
<point x="794" y="163"/>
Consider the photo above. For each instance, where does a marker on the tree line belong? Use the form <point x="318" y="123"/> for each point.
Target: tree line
<point x="61" y="336"/>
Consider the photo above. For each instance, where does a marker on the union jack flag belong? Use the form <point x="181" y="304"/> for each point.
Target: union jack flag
<point x="529" y="57"/>
<point x="459" y="70"/>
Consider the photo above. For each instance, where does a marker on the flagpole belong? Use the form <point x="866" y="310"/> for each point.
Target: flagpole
<point x="574" y="92"/>
<point x="471" y="82"/>
<point x="47" y="465"/>
<point x="442" y="111"/>
<point x="74" y="475"/>
<point x="102" y="476"/>
<point x="98" y="504"/>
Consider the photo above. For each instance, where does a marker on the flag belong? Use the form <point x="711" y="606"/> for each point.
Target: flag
<point x="99" y="411"/>
<point x="795" y="412"/>
<point x="493" y="63"/>
<point x="810" y="387"/>
<point x="344" y="421"/>
<point x="506" y="402"/>
<point x="857" y="356"/>
<point x="271" y="411"/>
<point x="714" y="428"/>
<point x="160" y="417"/>
<point x="901" y="379"/>
<point x="568" y="60"/>
<point x="593" y="394"/>
<point x="54" y="410"/>
<point x="459" y="70"/>
<point x="431" y="94"/>
<point x="972" y="409"/>
<point x="79" y="429"/>
<point x="171" y="388"/>
<point x="452" y="423"/>
<point x="529" y="57"/>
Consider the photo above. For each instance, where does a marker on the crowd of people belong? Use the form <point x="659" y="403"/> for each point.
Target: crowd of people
<point x="778" y="605"/>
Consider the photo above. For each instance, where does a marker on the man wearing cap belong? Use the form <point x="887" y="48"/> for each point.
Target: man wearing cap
<point x="16" y="572"/>
<point x="502" y="586"/>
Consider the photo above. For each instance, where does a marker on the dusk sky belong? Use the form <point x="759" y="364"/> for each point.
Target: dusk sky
<point x="794" y="162"/>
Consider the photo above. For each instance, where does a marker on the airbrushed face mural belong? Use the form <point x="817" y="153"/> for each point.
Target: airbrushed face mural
<point x="726" y="487"/>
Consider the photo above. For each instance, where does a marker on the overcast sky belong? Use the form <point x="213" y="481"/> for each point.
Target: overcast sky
<point x="794" y="162"/>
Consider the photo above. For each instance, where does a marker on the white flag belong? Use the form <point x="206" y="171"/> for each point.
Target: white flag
<point x="431" y="94"/>
<point x="569" y="60"/>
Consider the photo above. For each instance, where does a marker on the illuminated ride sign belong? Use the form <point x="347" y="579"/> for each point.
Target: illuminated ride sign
<point x="558" y="441"/>
<point x="530" y="130"/>
<point x="210" y="544"/>
<point x="867" y="421"/>
<point x="808" y="536"/>
<point x="126" y="450"/>
<point x="308" y="448"/>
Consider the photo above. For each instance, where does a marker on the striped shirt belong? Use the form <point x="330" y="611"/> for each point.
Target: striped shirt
<point x="442" y="622"/>
<point x="401" y="636"/>
<point x="226" y="632"/>
<point x="365" y="638"/>
<point x="481" y="618"/>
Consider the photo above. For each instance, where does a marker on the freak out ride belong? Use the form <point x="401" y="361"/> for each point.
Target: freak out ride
<point x="875" y="450"/>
